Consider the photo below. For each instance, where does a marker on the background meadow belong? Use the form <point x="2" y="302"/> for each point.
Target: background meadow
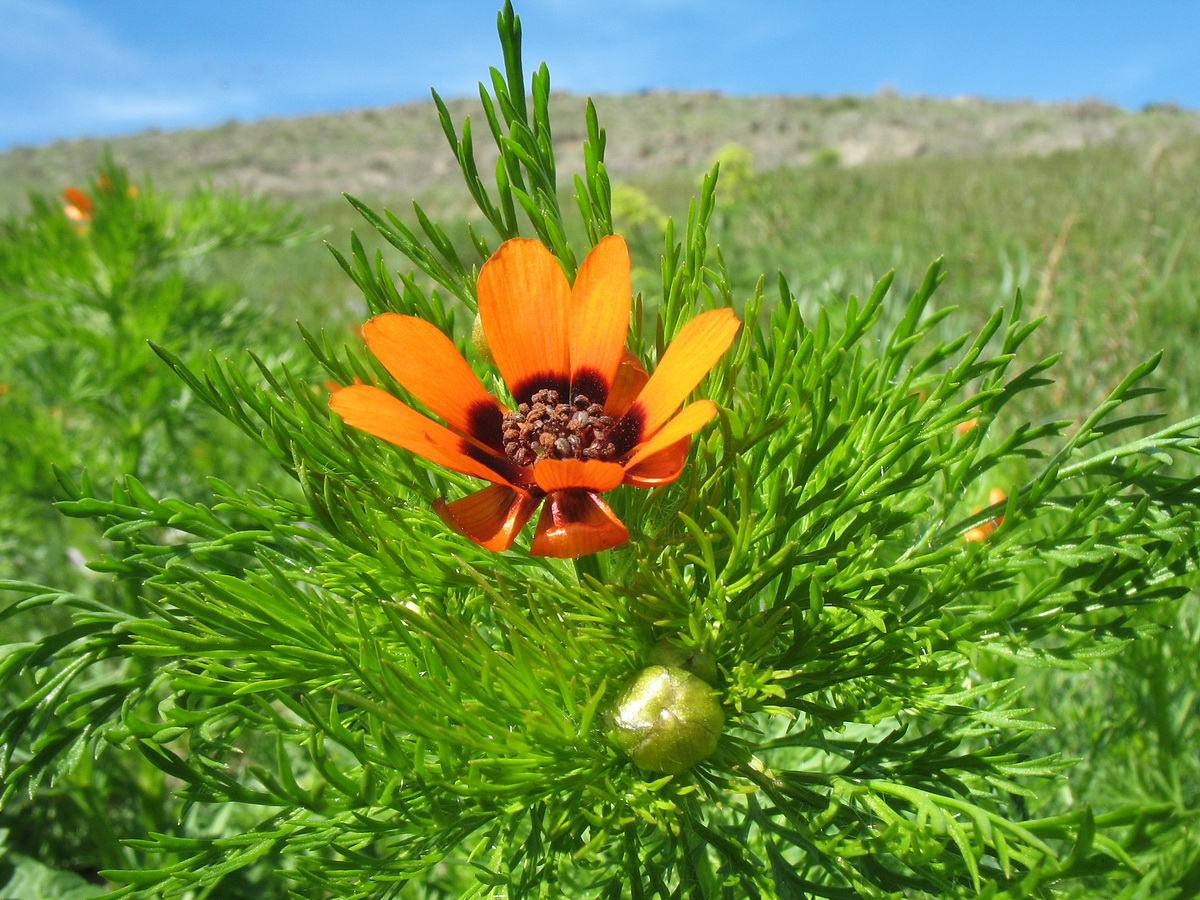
<point x="1091" y="212"/>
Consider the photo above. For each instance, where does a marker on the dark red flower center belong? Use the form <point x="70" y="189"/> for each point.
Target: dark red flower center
<point x="547" y="429"/>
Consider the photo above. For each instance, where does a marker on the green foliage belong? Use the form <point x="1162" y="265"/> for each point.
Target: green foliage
<point x="81" y="387"/>
<point x="737" y="170"/>
<point x="364" y="702"/>
<point x="24" y="877"/>
<point x="634" y="213"/>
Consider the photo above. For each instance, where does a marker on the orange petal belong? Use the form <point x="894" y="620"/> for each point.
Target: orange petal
<point x="429" y="366"/>
<point x="983" y="530"/>
<point x="599" y="318"/>
<point x="564" y="474"/>
<point x="659" y="468"/>
<point x="523" y="299"/>
<point x="576" y="523"/>
<point x="491" y="517"/>
<point x="630" y="379"/>
<point x="377" y="412"/>
<point x="695" y="350"/>
<point x="694" y="417"/>
<point x="78" y="199"/>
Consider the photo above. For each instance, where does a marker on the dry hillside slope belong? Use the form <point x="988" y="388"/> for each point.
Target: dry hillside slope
<point x="400" y="151"/>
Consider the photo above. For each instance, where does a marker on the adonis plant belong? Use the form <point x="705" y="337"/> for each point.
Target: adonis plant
<point x="764" y="637"/>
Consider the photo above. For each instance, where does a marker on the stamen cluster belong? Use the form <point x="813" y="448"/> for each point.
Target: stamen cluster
<point x="548" y="429"/>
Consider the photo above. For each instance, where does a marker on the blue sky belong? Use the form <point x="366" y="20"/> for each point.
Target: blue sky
<point x="72" y="68"/>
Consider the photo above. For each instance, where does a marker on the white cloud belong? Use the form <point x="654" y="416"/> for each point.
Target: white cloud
<point x="59" y="63"/>
<point x="124" y="107"/>
<point x="39" y="30"/>
<point x="72" y="74"/>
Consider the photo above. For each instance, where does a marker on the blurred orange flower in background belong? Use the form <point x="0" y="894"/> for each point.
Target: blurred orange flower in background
<point x="77" y="205"/>
<point x="104" y="183"/>
<point x="983" y="530"/>
<point x="588" y="418"/>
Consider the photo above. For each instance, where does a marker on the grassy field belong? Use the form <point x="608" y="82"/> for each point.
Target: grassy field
<point x="1088" y="209"/>
<point x="1091" y="212"/>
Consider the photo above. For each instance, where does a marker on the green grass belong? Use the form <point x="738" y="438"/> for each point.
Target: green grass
<point x="1090" y="210"/>
<point x="1102" y="242"/>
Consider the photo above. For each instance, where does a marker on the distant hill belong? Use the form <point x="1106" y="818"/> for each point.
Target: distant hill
<point x="399" y="151"/>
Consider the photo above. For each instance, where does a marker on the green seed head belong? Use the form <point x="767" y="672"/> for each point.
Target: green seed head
<point x="666" y="720"/>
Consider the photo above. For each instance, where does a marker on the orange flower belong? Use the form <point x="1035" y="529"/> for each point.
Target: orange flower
<point x="588" y="418"/>
<point x="78" y="205"/>
<point x="104" y="183"/>
<point x="984" y="529"/>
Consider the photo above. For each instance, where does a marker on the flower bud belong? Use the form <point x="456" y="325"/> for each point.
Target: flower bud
<point x="666" y="720"/>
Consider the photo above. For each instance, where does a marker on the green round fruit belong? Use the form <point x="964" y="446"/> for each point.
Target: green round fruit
<point x="666" y="720"/>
